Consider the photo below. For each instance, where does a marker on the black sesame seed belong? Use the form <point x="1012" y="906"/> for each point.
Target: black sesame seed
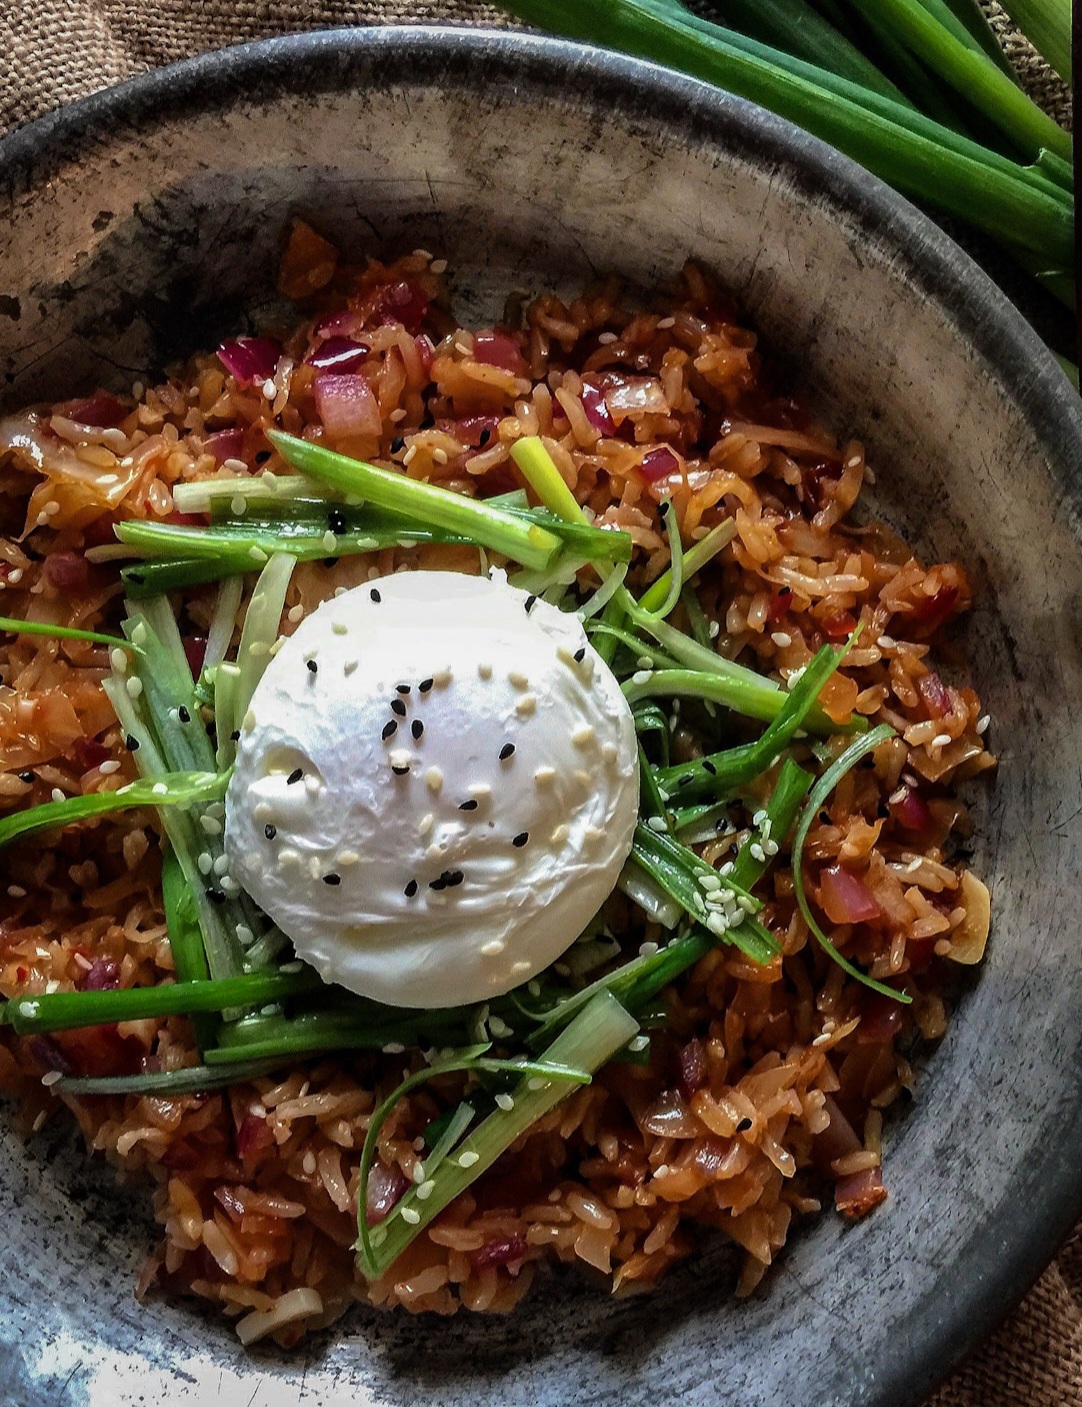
<point x="332" y="879"/>
<point x="263" y="456"/>
<point x="520" y="839"/>
<point x="484" y="437"/>
<point x="399" y="771"/>
<point x="579" y="655"/>
<point x="215" y="896"/>
<point x="137" y="577"/>
<point x="311" y="666"/>
<point x="440" y="883"/>
<point x="397" y="444"/>
<point x="389" y="730"/>
<point x="295" y="776"/>
<point x="234" y="736"/>
<point x="26" y="776"/>
<point x="470" y="805"/>
<point x="867" y="760"/>
<point x="132" y="744"/>
<point x="530" y="603"/>
<point x="453" y="878"/>
<point x="506" y="751"/>
<point x="785" y="590"/>
<point x="375" y="596"/>
<point x="402" y="688"/>
<point x="417" y="727"/>
<point x="424" y="686"/>
<point x="211" y="730"/>
<point x="685" y="781"/>
<point x="331" y="561"/>
<point x="882" y="811"/>
<point x="708" y="766"/>
<point x="743" y="1125"/>
<point x="183" y="714"/>
<point x="410" y="889"/>
<point x="270" y="832"/>
<point x="824" y="817"/>
<point x="336" y="521"/>
<point x="397" y="706"/>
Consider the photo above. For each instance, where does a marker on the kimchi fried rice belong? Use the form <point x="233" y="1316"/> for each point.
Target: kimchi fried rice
<point x="762" y="1091"/>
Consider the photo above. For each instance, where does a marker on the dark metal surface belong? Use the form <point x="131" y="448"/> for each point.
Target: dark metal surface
<point x="148" y="220"/>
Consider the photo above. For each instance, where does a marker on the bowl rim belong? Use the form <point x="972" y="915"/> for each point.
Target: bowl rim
<point x="931" y="261"/>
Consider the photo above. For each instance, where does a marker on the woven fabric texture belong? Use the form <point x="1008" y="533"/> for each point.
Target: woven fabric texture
<point x="54" y="51"/>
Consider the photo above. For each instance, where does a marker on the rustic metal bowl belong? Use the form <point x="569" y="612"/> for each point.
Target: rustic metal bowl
<point x="146" y="220"/>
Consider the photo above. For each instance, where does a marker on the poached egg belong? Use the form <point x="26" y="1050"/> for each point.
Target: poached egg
<point x="436" y="787"/>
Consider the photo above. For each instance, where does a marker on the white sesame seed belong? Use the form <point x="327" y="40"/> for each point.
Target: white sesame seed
<point x="638" y="1043"/>
<point x="205" y="863"/>
<point x="518" y="680"/>
<point x="229" y="886"/>
<point x="526" y="705"/>
<point x="118" y="658"/>
<point x="409" y="456"/>
<point x="709" y="882"/>
<point x="210" y="825"/>
<point x="57" y="794"/>
<point x="442" y="677"/>
<point x="885" y="642"/>
<point x="221" y="865"/>
<point x="16" y="891"/>
<point x="520" y="968"/>
<point x="942" y="740"/>
<point x="584" y="736"/>
<point x="536" y="1082"/>
<point x="493" y="948"/>
<point x="14" y="577"/>
<point x="434" y="780"/>
<point x="642" y="676"/>
<point x="485" y="671"/>
<point x="109" y="767"/>
<point x="438" y="266"/>
<point x="662" y="1170"/>
<point x="134" y="687"/>
<point x="610" y="752"/>
<point x="592" y="835"/>
<point x="647" y="950"/>
<point x="756" y="852"/>
<point x="665" y="323"/>
<point x="715" y="629"/>
<point x="238" y="505"/>
<point x="349" y="667"/>
<point x="257" y="554"/>
<point x="657" y="823"/>
<point x="505" y="1102"/>
<point x="584" y="780"/>
<point x="982" y="725"/>
<point x="339" y="627"/>
<point x="425" y="1190"/>
<point x="468" y="1159"/>
<point x="498" y="1026"/>
<point x="248" y="721"/>
<point x="394" y="1048"/>
<point x="545" y="776"/>
<point x="308" y="1163"/>
<point x="345" y="858"/>
<point x="781" y="638"/>
<point x="410" y="1215"/>
<point x="534" y="988"/>
<point x="51" y="1077"/>
<point x="330" y="542"/>
<point x="245" y="937"/>
<point x="606" y="338"/>
<point x="559" y="835"/>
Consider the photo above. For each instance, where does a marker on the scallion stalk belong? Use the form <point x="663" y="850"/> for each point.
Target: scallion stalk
<point x="179" y="789"/>
<point x="49" y="631"/>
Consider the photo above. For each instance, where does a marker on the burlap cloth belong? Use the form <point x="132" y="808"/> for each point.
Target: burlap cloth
<point x="53" y="51"/>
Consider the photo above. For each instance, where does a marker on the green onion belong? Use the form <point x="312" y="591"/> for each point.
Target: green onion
<point x="261" y="626"/>
<point x="587" y="1043"/>
<point x="68" y="1011"/>
<point x="1047" y="25"/>
<point x="167" y="1084"/>
<point x="983" y="192"/>
<point x="175" y="789"/>
<point x="645" y="891"/>
<point x="545" y="479"/>
<point x="819" y="793"/>
<point x="185" y="938"/>
<point x="62" y="632"/>
<point x="527" y="543"/>
<point x="223" y="622"/>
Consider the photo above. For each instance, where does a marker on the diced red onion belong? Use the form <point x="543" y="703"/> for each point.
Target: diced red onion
<point x="932" y="611"/>
<point x="693" y="1072"/>
<point x="669" y="1117"/>
<point x="471" y="429"/>
<point x="911" y="811"/>
<point x="658" y="464"/>
<point x="498" y="349"/>
<point x="195" y="652"/>
<point x="881" y="1019"/>
<point x="858" y="1193"/>
<point x="346" y="404"/>
<point x="101" y="411"/>
<point x="425" y="351"/>
<point x="402" y="302"/>
<point x="817" y="480"/>
<point x="777" y="608"/>
<point x="836" y="1140"/>
<point x="68" y="572"/>
<point x="343" y="323"/>
<point x="839" y="626"/>
<point x="845" y="896"/>
<point x="505" y="1251"/>
<point x="935" y="694"/>
<point x="250" y="360"/>
<point x="385" y="1188"/>
<point x="629" y="395"/>
<point x="339" y="354"/>
<point x="253" y="1136"/>
<point x="102" y="975"/>
<point x="597" y="412"/>
<point x="225" y="444"/>
<point x="89" y="753"/>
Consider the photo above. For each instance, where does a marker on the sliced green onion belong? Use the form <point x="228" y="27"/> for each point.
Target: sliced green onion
<point x="261" y="626"/>
<point x="604" y="593"/>
<point x="223" y="622"/>
<point x="587" y="1043"/>
<point x="62" y="632"/>
<point x="819" y="793"/>
<point x="527" y="543"/>
<point x="186" y="938"/>
<point x="695" y="558"/>
<point x="1047" y="25"/>
<point x="166" y="1084"/>
<point x="175" y="789"/>
<point x="545" y="479"/>
<point x="645" y="891"/>
<point x="68" y="1011"/>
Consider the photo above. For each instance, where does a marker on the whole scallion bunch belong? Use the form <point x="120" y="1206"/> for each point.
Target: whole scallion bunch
<point x="918" y="91"/>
